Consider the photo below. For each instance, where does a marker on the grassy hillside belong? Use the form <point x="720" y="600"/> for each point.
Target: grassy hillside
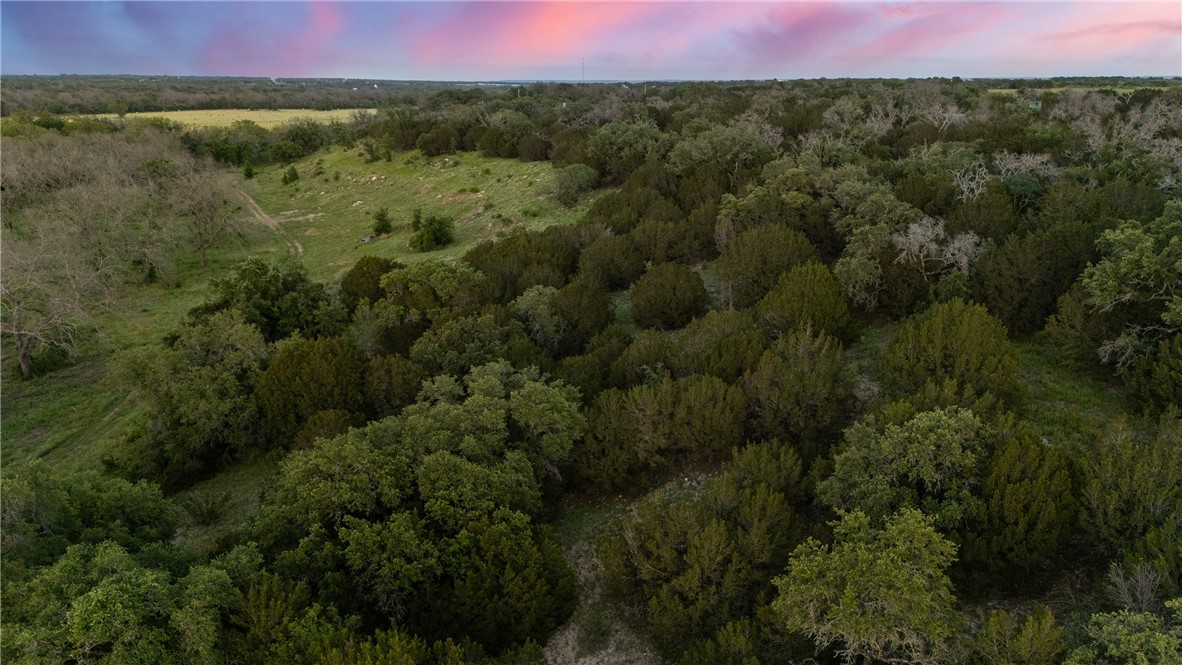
<point x="72" y="416"/>
<point x="329" y="210"/>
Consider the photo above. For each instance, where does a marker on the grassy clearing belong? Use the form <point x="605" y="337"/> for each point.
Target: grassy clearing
<point x="1069" y="408"/>
<point x="222" y="505"/>
<point x="268" y="118"/>
<point x="329" y="216"/>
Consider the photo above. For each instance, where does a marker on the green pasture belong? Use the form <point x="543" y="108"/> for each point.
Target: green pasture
<point x="329" y="210"/>
<point x="267" y="118"/>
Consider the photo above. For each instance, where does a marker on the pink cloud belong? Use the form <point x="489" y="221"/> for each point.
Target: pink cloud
<point x="263" y="49"/>
<point x="934" y="28"/>
<point x="1111" y="33"/>
<point x="794" y="31"/>
<point x="520" y="33"/>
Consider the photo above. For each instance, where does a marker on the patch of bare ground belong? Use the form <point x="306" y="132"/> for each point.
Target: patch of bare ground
<point x="257" y="214"/>
<point x="598" y="633"/>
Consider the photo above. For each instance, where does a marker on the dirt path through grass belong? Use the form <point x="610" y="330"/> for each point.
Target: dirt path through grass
<point x="294" y="247"/>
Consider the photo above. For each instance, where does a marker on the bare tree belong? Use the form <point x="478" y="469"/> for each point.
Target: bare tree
<point x="43" y="288"/>
<point x="971" y="180"/>
<point x="926" y="246"/>
<point x="205" y="199"/>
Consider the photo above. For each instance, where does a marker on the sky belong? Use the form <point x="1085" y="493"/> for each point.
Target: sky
<point x="572" y="39"/>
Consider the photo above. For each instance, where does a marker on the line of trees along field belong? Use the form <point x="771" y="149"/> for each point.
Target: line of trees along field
<point x="796" y="331"/>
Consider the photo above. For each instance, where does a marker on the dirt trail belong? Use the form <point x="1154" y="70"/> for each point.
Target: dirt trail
<point x="293" y="246"/>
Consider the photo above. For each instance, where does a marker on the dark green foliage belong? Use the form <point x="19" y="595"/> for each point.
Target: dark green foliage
<point x="391" y="383"/>
<point x="571" y="182"/>
<point x="807" y="295"/>
<point x="1130" y="503"/>
<point x="877" y="593"/>
<point x="952" y="340"/>
<point x="637" y="435"/>
<point x="1157" y="378"/>
<point x="200" y="393"/>
<point x="364" y="280"/>
<point x="661" y="241"/>
<point x="991" y="214"/>
<point x="722" y="344"/>
<point x="1026" y="512"/>
<point x="307" y="376"/>
<point x="667" y="296"/>
<point x="622" y="210"/>
<point x="324" y="425"/>
<point x="248" y="171"/>
<point x="797" y="390"/>
<point x="419" y="517"/>
<point x="431" y="233"/>
<point x="592" y="372"/>
<point x="277" y="301"/>
<point x="694" y="562"/>
<point x="752" y="264"/>
<point x="611" y="262"/>
<point x="455" y="346"/>
<point x="382" y="223"/>
<point x="510" y="583"/>
<point x="45" y="512"/>
<point x="512" y="265"/>
<point x="617" y="149"/>
<point x="1020" y="279"/>
<point x="441" y="140"/>
<point x="290" y="175"/>
<point x="930" y="463"/>
<point x="648" y="358"/>
<point x="586" y="310"/>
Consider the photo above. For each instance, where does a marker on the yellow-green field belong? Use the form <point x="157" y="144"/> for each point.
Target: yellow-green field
<point x="226" y="117"/>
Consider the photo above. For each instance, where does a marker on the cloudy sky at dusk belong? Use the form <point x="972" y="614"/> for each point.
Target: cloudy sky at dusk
<point x="617" y="40"/>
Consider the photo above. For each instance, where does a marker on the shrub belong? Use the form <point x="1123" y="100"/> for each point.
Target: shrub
<point x="290" y="175"/>
<point x="806" y="295"/>
<point x="667" y="296"/>
<point x="952" y="340"/>
<point x="572" y="182"/>
<point x="381" y="222"/>
<point x="431" y="233"/>
<point x="753" y="263"/>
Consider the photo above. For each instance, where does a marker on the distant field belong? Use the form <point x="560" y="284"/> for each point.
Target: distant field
<point x="226" y="117"/>
<point x="1123" y="88"/>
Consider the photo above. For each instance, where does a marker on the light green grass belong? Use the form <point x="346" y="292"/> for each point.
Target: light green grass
<point x="486" y="197"/>
<point x="1069" y="409"/>
<point x="268" y="118"/>
<point x="237" y="490"/>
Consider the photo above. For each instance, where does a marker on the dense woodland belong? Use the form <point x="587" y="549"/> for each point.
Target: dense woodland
<point x="791" y="333"/>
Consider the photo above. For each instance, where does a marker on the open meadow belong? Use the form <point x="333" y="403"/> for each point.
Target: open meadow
<point x="266" y="118"/>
